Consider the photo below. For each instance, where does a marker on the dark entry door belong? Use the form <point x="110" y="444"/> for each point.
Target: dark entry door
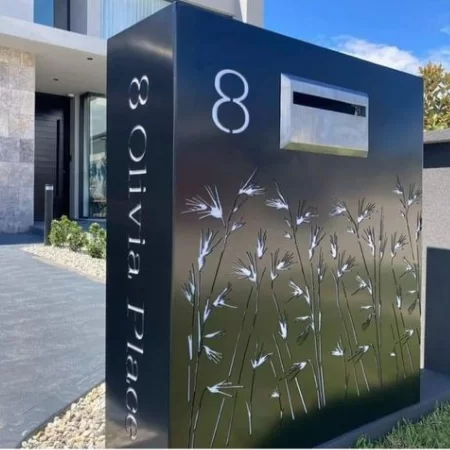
<point x="52" y="153"/>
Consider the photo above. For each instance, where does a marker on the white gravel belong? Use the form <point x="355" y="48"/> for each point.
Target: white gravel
<point x="81" y="426"/>
<point x="79" y="262"/>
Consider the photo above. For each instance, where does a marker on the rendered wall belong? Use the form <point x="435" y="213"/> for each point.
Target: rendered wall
<point x="436" y="209"/>
<point x="256" y="296"/>
<point x="18" y="9"/>
<point x="247" y="11"/>
<point x="17" y="98"/>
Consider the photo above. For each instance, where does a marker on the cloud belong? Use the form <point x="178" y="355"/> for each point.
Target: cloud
<point x="446" y="29"/>
<point x="386" y="55"/>
<point x="390" y="55"/>
<point x="440" y="56"/>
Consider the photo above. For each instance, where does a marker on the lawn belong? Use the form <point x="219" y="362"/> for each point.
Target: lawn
<point x="432" y="431"/>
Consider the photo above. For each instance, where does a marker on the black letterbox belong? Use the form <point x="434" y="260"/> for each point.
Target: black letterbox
<point x="264" y="198"/>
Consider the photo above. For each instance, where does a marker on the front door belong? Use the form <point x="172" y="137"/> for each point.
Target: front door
<point x="52" y="153"/>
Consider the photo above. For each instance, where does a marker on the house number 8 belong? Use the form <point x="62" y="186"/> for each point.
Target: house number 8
<point x="226" y="99"/>
<point x="139" y="83"/>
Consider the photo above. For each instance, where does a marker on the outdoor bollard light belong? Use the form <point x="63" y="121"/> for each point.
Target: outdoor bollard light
<point x="264" y="237"/>
<point x="48" y="212"/>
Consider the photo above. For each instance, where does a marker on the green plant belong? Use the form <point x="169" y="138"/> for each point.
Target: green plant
<point x="436" y="106"/>
<point x="59" y="231"/>
<point x="76" y="238"/>
<point x="431" y="431"/>
<point x="96" y="246"/>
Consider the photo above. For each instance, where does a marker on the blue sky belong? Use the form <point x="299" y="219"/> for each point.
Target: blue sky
<point x="397" y="33"/>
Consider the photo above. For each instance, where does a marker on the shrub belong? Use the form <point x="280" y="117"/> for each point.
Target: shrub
<point x="96" y="246"/>
<point x="76" y="238"/>
<point x="59" y="231"/>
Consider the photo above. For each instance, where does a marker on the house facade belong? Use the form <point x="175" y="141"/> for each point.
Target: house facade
<point x="53" y="104"/>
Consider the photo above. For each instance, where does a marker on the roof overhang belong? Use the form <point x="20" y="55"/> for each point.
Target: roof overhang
<point x="77" y="61"/>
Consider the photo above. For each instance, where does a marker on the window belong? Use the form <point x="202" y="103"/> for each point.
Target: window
<point x="94" y="157"/>
<point x="44" y="12"/>
<point x="53" y="13"/>
<point x="120" y="14"/>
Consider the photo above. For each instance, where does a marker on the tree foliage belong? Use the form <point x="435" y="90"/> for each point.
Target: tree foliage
<point x="436" y="96"/>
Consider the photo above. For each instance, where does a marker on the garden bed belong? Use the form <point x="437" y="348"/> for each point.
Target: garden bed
<point x="75" y="249"/>
<point x="82" y="425"/>
<point x="76" y="261"/>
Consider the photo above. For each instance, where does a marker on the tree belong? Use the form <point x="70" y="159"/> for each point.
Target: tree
<point x="436" y="96"/>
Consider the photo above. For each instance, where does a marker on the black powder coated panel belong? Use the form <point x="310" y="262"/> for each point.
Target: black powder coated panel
<point x="294" y="277"/>
<point x="140" y="158"/>
<point x="437" y="307"/>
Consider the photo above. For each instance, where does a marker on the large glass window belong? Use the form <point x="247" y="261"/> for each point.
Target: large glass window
<point x="120" y="14"/>
<point x="94" y="157"/>
<point x="44" y="12"/>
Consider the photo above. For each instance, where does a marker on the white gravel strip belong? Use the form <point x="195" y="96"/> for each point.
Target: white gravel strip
<point x="77" y="261"/>
<point x="81" y="426"/>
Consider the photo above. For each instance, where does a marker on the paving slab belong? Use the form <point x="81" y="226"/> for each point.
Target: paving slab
<point x="52" y="339"/>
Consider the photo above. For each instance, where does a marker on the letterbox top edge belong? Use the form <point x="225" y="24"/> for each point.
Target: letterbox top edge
<point x="292" y="78"/>
<point x="181" y="5"/>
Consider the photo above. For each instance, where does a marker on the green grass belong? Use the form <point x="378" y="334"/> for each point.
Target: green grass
<point x="432" y="431"/>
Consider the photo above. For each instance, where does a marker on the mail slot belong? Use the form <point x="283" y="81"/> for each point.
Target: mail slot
<point x="321" y="118"/>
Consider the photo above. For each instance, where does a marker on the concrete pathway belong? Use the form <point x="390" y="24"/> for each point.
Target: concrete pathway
<point x="52" y="338"/>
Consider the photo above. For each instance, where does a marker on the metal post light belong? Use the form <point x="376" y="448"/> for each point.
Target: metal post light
<point x="48" y="212"/>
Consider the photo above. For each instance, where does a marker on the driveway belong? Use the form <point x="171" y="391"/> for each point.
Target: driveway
<point x="52" y="338"/>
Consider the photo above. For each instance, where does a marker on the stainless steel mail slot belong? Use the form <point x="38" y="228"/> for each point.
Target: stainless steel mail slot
<point x="320" y="118"/>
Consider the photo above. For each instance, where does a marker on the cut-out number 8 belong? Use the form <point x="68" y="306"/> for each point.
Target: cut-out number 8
<point x="138" y="83"/>
<point x="226" y="99"/>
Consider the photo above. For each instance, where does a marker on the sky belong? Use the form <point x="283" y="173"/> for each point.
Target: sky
<point x="396" y="33"/>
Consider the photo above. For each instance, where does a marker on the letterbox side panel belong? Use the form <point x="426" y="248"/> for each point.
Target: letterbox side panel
<point x="139" y="253"/>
